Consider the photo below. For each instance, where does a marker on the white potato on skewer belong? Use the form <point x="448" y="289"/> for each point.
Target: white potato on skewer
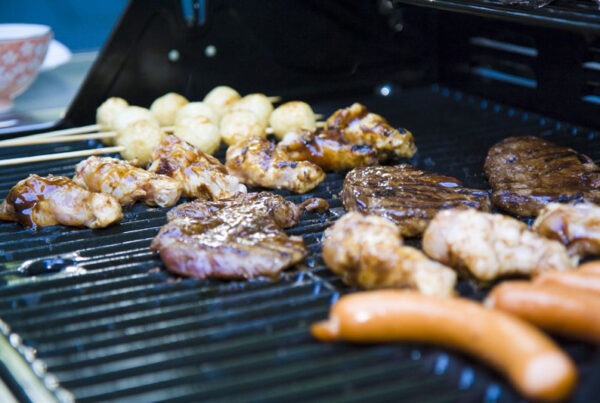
<point x="165" y="108"/>
<point x="200" y="132"/>
<point x="106" y="113"/>
<point x="221" y="98"/>
<point x="197" y="109"/>
<point x="138" y="140"/>
<point x="240" y="125"/>
<point x="132" y="114"/>
<point x="292" y="116"/>
<point x="258" y="104"/>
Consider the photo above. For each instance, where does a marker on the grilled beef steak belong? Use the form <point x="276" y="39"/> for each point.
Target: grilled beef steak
<point x="407" y="196"/>
<point x="527" y="172"/>
<point x="237" y="238"/>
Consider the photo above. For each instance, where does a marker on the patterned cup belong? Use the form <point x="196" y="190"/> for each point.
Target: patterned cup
<point x="22" y="51"/>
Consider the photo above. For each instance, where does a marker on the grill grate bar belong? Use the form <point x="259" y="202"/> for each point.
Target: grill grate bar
<point x="122" y="328"/>
<point x="406" y="383"/>
<point x="118" y="311"/>
<point x="162" y="316"/>
<point x="169" y="336"/>
<point x="306" y="361"/>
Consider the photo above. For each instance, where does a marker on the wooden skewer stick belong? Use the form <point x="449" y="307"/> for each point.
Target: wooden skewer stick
<point x="52" y="137"/>
<point x="274" y="99"/>
<point x="59" y="156"/>
<point x="269" y="130"/>
<point x="59" y="133"/>
<point x="26" y="141"/>
<point x="319" y="116"/>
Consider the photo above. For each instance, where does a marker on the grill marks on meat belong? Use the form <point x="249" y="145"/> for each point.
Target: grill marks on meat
<point x="43" y="201"/>
<point x="368" y="251"/>
<point x="361" y="127"/>
<point x="576" y="226"/>
<point x="237" y="238"/>
<point x="258" y="162"/>
<point x="489" y="246"/>
<point x="407" y="196"/>
<point x="353" y="137"/>
<point x="528" y="172"/>
<point x="202" y="175"/>
<point x="126" y="182"/>
<point x="327" y="148"/>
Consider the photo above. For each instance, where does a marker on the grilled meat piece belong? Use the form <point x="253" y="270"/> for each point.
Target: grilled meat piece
<point x="237" y="238"/>
<point x="368" y="251"/>
<point x="126" y="182"/>
<point x="43" y="201"/>
<point x="315" y="204"/>
<point x="202" y="175"/>
<point x="258" y="162"/>
<point x="576" y="226"/>
<point x="527" y="172"/>
<point x="327" y="148"/>
<point x="359" y="126"/>
<point x="285" y="213"/>
<point x="491" y="245"/>
<point x="407" y="196"/>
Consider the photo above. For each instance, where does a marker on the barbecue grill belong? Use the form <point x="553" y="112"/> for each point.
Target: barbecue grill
<point x="93" y="315"/>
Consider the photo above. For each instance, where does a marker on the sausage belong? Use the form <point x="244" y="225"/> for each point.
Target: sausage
<point x="558" y="309"/>
<point x="576" y="280"/>
<point x="590" y="268"/>
<point x="535" y="364"/>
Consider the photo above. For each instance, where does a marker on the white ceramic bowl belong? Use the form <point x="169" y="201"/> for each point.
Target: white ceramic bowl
<point x="22" y="51"/>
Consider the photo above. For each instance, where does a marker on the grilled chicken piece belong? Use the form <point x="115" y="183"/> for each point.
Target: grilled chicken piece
<point x="202" y="175"/>
<point x="43" y="201"/>
<point x="491" y="245"/>
<point x="407" y="196"/>
<point x="237" y="238"/>
<point x="576" y="226"/>
<point x="126" y="182"/>
<point x="359" y="126"/>
<point x="527" y="172"/>
<point x="368" y="251"/>
<point x="329" y="149"/>
<point x="258" y="162"/>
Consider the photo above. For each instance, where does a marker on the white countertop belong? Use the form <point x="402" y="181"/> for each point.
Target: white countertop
<point x="46" y="101"/>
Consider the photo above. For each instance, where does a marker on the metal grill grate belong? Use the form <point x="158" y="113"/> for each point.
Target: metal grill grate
<point x="111" y="324"/>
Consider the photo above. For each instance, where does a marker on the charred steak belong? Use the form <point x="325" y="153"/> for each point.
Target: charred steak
<point x="407" y="196"/>
<point x="528" y="172"/>
<point x="238" y="238"/>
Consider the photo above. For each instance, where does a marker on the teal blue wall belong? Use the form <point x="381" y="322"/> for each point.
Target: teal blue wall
<point x="81" y="25"/>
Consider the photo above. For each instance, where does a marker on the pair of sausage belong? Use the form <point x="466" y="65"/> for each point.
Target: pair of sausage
<point x="562" y="302"/>
<point x="566" y="303"/>
<point x="535" y="365"/>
